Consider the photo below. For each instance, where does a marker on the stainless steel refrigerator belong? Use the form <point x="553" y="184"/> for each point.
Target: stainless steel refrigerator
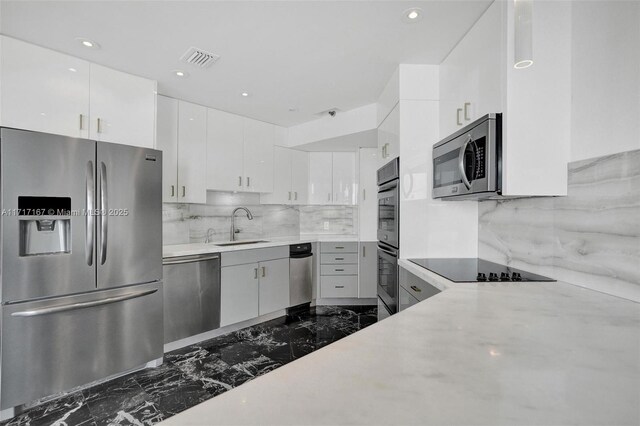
<point x="81" y="262"/>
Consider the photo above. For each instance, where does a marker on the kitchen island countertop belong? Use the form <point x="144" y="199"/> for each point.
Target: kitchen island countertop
<point x="492" y="353"/>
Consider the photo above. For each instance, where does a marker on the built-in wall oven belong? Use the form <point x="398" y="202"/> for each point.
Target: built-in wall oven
<point x="388" y="234"/>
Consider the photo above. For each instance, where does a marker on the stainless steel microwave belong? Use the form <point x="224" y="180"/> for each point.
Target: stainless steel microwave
<point x="468" y="164"/>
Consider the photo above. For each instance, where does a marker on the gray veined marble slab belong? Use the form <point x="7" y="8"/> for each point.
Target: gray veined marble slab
<point x="589" y="238"/>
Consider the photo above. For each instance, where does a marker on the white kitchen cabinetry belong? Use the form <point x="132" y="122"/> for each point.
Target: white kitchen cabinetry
<point x="368" y="189"/>
<point x="258" y="155"/>
<point x="320" y="177"/>
<point x="225" y="151"/>
<point x="478" y="77"/>
<point x="389" y="137"/>
<point x="167" y="142"/>
<point x="338" y="270"/>
<point x="274" y="285"/>
<point x="332" y="178"/>
<point x="290" y="177"/>
<point x="44" y="90"/>
<point x="192" y="149"/>
<point x="368" y="270"/>
<point x="239" y="293"/>
<point x="122" y="107"/>
<point x="182" y="138"/>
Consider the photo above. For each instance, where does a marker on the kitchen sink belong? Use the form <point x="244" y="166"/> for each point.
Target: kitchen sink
<point x="239" y="243"/>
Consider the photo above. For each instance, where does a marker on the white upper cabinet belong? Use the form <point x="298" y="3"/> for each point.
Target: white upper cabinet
<point x="367" y="199"/>
<point x="344" y="178"/>
<point x="167" y="142"/>
<point x="320" y="178"/>
<point x="122" y="107"/>
<point x="299" y="177"/>
<point x="192" y="153"/>
<point x="43" y="90"/>
<point x="225" y="151"/>
<point x="389" y="137"/>
<point x="332" y="178"/>
<point x="258" y="155"/>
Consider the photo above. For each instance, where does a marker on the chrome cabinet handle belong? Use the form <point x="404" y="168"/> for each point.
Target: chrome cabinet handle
<point x="463" y="174"/>
<point x="255" y="273"/>
<point x="173" y="190"/>
<point x="104" y="217"/>
<point x="81" y="122"/>
<point x="184" y="191"/>
<point x="240" y="181"/>
<point x="364" y="251"/>
<point x="329" y="197"/>
<point x="364" y="194"/>
<point x="248" y="181"/>
<point x="466" y="110"/>
<point x="289" y="195"/>
<point x="295" y="195"/>
<point x="416" y="289"/>
<point x="81" y="305"/>
<point x="99" y="126"/>
<point x="339" y="247"/>
<point x="458" y="111"/>
<point x="189" y="259"/>
<point x="264" y="271"/>
<point x="339" y="258"/>
<point x="339" y="286"/>
<point x="339" y="270"/>
<point x="89" y="217"/>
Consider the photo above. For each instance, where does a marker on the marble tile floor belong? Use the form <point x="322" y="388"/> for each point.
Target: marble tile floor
<point x="196" y="373"/>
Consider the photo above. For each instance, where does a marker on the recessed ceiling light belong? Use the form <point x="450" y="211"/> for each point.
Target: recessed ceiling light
<point x="73" y="70"/>
<point x="180" y="73"/>
<point x="412" y="15"/>
<point x="244" y="94"/>
<point x="90" y="44"/>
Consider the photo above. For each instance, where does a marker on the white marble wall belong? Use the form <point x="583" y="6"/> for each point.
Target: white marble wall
<point x="188" y="223"/>
<point x="590" y="238"/>
<point x="329" y="220"/>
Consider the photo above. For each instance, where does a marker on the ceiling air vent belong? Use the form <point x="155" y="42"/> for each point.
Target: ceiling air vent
<point x="198" y="57"/>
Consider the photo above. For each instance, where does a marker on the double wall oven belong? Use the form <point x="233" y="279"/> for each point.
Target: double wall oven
<point x="388" y="234"/>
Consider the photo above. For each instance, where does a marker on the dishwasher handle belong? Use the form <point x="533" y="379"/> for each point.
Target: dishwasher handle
<point x="189" y="259"/>
<point x="301" y="256"/>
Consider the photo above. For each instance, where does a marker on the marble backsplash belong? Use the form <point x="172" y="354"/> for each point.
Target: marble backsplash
<point x="189" y="223"/>
<point x="590" y="238"/>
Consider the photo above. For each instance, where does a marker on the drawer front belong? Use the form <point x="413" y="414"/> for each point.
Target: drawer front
<point x="416" y="286"/>
<point x="347" y="247"/>
<point x="338" y="286"/>
<point x="338" y="259"/>
<point x="338" y="269"/>
<point x="242" y="257"/>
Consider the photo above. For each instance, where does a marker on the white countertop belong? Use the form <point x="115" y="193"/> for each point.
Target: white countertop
<point x="202" y="248"/>
<point x="490" y="353"/>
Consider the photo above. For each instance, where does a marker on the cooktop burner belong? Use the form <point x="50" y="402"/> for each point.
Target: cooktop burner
<point x="462" y="270"/>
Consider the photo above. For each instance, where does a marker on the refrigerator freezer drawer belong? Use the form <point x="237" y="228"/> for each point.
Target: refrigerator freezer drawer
<point x="53" y="345"/>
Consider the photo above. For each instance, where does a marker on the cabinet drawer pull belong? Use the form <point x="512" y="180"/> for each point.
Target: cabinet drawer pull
<point x="339" y="286"/>
<point x="339" y="270"/>
<point x="466" y="111"/>
<point x="339" y="258"/>
<point x="458" y="111"/>
<point x="289" y="195"/>
<point x="264" y="271"/>
<point x="248" y="181"/>
<point x="173" y="190"/>
<point x="81" y="121"/>
<point x="295" y="195"/>
<point x="99" y="126"/>
<point x="255" y="273"/>
<point x="339" y="247"/>
<point x="184" y="191"/>
<point x="240" y="181"/>
<point x="364" y="251"/>
<point x="416" y="289"/>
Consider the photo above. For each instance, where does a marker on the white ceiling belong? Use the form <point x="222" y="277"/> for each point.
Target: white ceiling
<point x="311" y="55"/>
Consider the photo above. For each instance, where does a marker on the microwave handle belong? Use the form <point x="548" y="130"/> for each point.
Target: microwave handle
<point x="461" y="164"/>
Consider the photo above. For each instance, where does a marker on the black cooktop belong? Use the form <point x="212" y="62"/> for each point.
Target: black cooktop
<point x="463" y="270"/>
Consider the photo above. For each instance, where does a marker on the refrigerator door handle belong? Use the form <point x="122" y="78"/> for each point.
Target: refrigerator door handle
<point x="82" y="305"/>
<point x="104" y="213"/>
<point x="89" y="213"/>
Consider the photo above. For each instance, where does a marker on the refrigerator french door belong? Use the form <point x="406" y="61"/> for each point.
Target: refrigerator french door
<point x="81" y="262"/>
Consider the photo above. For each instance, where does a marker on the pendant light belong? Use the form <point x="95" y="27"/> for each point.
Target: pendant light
<point x="523" y="33"/>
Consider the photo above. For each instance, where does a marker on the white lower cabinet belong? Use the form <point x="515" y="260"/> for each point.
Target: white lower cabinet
<point x="274" y="286"/>
<point x="338" y="270"/>
<point x="368" y="270"/>
<point x="239" y="293"/>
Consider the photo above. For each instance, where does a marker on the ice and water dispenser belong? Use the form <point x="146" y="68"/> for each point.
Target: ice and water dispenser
<point x="45" y="225"/>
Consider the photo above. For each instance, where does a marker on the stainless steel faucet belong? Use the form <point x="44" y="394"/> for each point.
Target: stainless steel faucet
<point x="233" y="221"/>
<point x="210" y="231"/>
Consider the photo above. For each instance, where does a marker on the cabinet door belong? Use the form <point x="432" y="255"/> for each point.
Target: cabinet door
<point x="122" y="107"/>
<point x="300" y="176"/>
<point x="282" y="192"/>
<point x="238" y="293"/>
<point x="367" y="198"/>
<point x="167" y="142"/>
<point x="192" y="153"/>
<point x="344" y="178"/>
<point x="274" y="285"/>
<point x="389" y="137"/>
<point x="368" y="270"/>
<point x="44" y="90"/>
<point x="224" y="151"/>
<point x="320" y="178"/>
<point x="258" y="155"/>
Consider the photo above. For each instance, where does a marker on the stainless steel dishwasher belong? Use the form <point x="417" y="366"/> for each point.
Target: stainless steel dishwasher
<point x="300" y="274"/>
<point x="191" y="295"/>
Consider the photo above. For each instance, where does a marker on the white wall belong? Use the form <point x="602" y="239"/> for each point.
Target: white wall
<point x="605" y="78"/>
